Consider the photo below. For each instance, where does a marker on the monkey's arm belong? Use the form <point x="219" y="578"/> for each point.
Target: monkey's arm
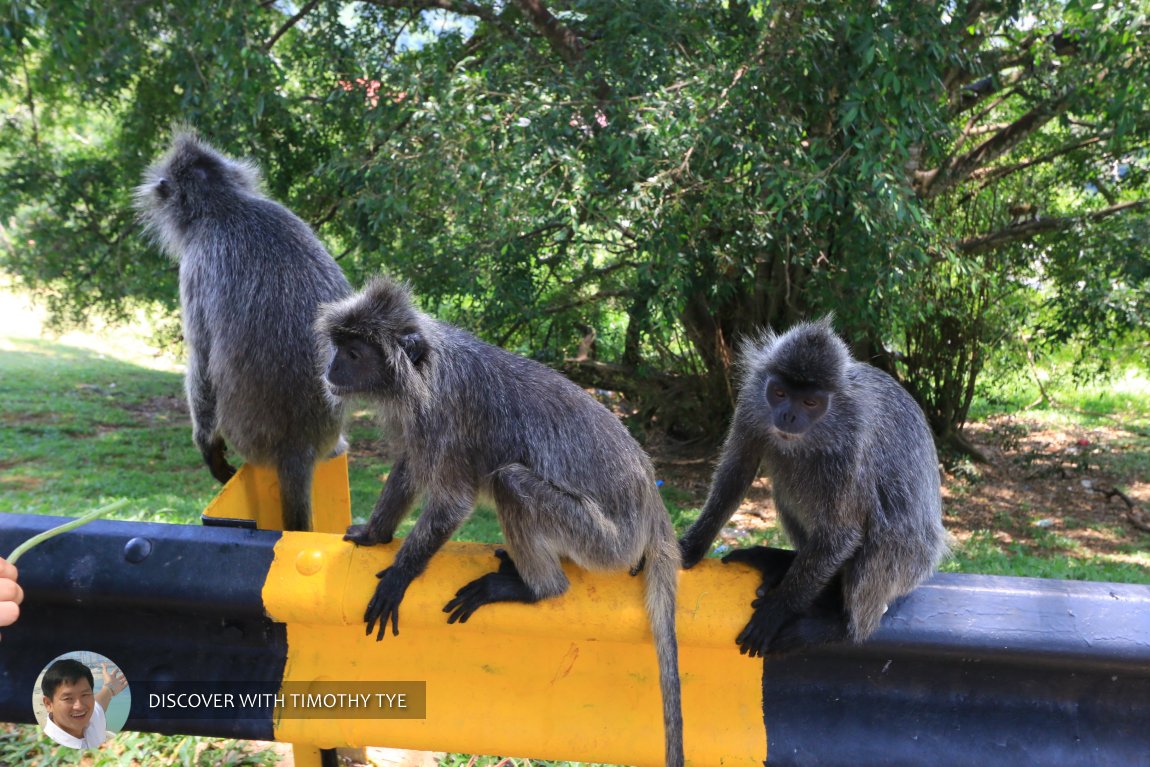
<point x="737" y="469"/>
<point x="393" y="505"/>
<point x="442" y="515"/>
<point x="813" y="567"/>
<point x="202" y="404"/>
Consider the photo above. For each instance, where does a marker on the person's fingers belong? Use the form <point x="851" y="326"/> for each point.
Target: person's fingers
<point x="10" y="591"/>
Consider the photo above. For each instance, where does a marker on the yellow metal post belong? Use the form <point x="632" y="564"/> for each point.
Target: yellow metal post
<point x="253" y="494"/>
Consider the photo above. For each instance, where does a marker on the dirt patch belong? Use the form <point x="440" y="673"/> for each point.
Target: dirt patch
<point x="1085" y="484"/>
<point x="1070" y="487"/>
<point x="18" y="482"/>
<point x="165" y="408"/>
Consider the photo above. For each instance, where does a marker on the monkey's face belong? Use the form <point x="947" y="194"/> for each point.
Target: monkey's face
<point x="794" y="409"/>
<point x="357" y="366"/>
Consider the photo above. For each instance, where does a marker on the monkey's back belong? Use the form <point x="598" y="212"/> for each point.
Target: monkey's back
<point x="251" y="278"/>
<point x="905" y="470"/>
<point x="525" y="412"/>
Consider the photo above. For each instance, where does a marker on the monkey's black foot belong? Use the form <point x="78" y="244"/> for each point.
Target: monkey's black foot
<point x="769" y="616"/>
<point x="384" y="604"/>
<point x="361" y="535"/>
<point x="217" y="464"/>
<point x="639" y="567"/>
<point x="772" y="563"/>
<point x="809" y="631"/>
<point x="504" y="585"/>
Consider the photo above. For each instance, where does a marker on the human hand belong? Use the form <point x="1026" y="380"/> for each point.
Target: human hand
<point x="115" y="680"/>
<point x="11" y="595"/>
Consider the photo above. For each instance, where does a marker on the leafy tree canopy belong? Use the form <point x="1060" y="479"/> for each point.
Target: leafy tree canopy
<point x="623" y="189"/>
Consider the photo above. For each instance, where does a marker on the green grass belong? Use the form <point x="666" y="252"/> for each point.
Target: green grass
<point x="1055" y="556"/>
<point x="78" y="429"/>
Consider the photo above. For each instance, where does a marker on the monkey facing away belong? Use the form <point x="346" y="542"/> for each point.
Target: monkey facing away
<point x="567" y="479"/>
<point x="854" y="473"/>
<point x="252" y="276"/>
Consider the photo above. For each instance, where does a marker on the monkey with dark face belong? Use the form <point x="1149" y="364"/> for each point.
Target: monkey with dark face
<point x="252" y="276"/>
<point x="567" y="479"/>
<point x="855" y="478"/>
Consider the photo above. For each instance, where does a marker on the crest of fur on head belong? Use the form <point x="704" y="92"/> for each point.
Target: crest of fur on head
<point x="190" y="180"/>
<point x="810" y="353"/>
<point x="381" y="314"/>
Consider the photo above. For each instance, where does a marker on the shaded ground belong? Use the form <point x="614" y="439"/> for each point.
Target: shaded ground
<point x="1041" y="479"/>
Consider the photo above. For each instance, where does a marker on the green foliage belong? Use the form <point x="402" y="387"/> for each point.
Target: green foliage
<point x="671" y="175"/>
<point x="28" y="745"/>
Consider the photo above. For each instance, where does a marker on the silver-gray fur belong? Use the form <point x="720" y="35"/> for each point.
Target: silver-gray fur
<point x="568" y="480"/>
<point x="252" y="276"/>
<point x="857" y="492"/>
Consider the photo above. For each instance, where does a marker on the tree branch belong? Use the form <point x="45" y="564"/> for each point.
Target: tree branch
<point x="1030" y="229"/>
<point x="303" y="11"/>
<point x="932" y="183"/>
<point x="987" y="176"/>
<point x="459" y="7"/>
<point x="565" y="42"/>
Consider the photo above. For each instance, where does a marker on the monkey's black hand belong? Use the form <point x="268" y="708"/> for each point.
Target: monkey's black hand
<point x="772" y="563"/>
<point x="768" y="618"/>
<point x="503" y="585"/>
<point x="217" y="463"/>
<point x="384" y="604"/>
<point x="361" y="535"/>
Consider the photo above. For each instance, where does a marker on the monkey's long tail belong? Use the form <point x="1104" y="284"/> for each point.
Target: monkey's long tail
<point x="661" y="582"/>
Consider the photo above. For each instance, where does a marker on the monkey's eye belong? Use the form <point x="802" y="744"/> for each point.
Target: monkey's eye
<point x="780" y="393"/>
<point x="352" y="354"/>
<point x="809" y="402"/>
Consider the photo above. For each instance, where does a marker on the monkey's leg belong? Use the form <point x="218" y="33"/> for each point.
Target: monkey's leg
<point x="295" y="471"/>
<point x="876" y="577"/>
<point x="394" y="503"/>
<point x="503" y="585"/>
<point x="539" y="521"/>
<point x="771" y="563"/>
<point x="737" y="469"/>
<point x="202" y="405"/>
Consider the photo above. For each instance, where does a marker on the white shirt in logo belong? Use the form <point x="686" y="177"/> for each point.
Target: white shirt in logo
<point x="94" y="734"/>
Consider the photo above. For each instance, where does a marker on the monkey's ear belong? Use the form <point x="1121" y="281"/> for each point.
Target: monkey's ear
<point x="413" y="346"/>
